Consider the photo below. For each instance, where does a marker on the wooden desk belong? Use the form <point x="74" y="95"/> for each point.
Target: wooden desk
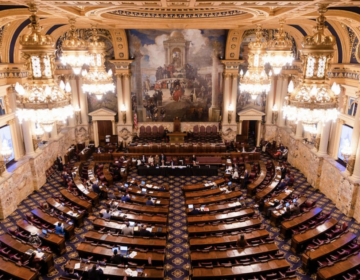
<point x="276" y="215"/>
<point x="220" y="217"/>
<point x="150" y="187"/>
<point x="17" y="272"/>
<point x="287" y="226"/>
<point x="232" y="206"/>
<point x="114" y="272"/>
<point x="77" y="201"/>
<point x="282" y="196"/>
<point x="200" y="187"/>
<point x="89" y="194"/>
<point x="140" y="208"/>
<point x="177" y="137"/>
<point x="251" y="223"/>
<point x="248" y="252"/>
<point x="299" y="241"/>
<point x="271" y="187"/>
<point x="152" y="193"/>
<point x="54" y="241"/>
<point x="117" y="215"/>
<point x="41" y="215"/>
<point x="215" y="199"/>
<point x="336" y="270"/>
<point x="226" y="239"/>
<point x="22" y="248"/>
<point x="107" y="174"/>
<point x="251" y="188"/>
<point x="141" y="242"/>
<point x="309" y="258"/>
<point x="142" y="200"/>
<point x="241" y="270"/>
<point x="116" y="226"/>
<point x="205" y="193"/>
<point x="99" y="252"/>
<point x="78" y="218"/>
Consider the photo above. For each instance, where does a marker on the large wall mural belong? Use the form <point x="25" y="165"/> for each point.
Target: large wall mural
<point x="176" y="73"/>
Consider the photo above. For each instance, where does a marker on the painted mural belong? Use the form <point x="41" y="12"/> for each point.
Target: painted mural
<point x="176" y="73"/>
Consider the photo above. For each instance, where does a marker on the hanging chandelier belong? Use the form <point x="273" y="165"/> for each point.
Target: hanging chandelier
<point x="74" y="50"/>
<point x="41" y="100"/>
<point x="97" y="81"/>
<point x="256" y="80"/>
<point x="279" y="51"/>
<point x="313" y="101"/>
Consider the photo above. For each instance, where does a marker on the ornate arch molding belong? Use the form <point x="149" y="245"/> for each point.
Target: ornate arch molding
<point x="233" y="43"/>
<point x="120" y="43"/>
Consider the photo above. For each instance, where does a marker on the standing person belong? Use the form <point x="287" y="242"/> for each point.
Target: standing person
<point x="59" y="229"/>
<point x="116" y="258"/>
<point x="246" y="178"/>
<point x="241" y="242"/>
<point x="59" y="162"/>
<point x="95" y="274"/>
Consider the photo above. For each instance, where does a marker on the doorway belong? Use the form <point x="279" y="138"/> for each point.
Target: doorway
<point x="252" y="130"/>
<point x="104" y="128"/>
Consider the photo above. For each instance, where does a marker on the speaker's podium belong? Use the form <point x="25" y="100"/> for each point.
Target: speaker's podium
<point x="177" y="136"/>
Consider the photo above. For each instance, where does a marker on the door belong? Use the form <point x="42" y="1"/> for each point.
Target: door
<point x="104" y="128"/>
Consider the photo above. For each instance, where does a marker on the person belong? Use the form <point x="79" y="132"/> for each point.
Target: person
<point x="149" y="202"/>
<point x="143" y="159"/>
<point x="284" y="153"/>
<point x="95" y="274"/>
<point x="241" y="242"/>
<point x="287" y="213"/>
<point x="157" y="160"/>
<point x="282" y="184"/>
<point x="296" y="209"/>
<point x="111" y="195"/>
<point x="126" y="198"/>
<point x="151" y="160"/>
<point x="163" y="159"/>
<point x="193" y="159"/>
<point x="246" y="178"/>
<point x="34" y="260"/>
<point x="34" y="240"/>
<point x="144" y="232"/>
<point x="172" y="163"/>
<point x="276" y="202"/>
<point x="96" y="188"/>
<point x="127" y="230"/>
<point x="283" y="171"/>
<point x="71" y="274"/>
<point x="235" y="175"/>
<point x="107" y="214"/>
<point x="278" y="153"/>
<point x="45" y="207"/>
<point x="116" y="258"/>
<point x="59" y="229"/>
<point x="59" y="162"/>
<point x="195" y="211"/>
<point x="162" y="189"/>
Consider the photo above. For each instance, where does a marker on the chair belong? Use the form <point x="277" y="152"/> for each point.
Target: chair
<point x="155" y="132"/>
<point x="142" y="131"/>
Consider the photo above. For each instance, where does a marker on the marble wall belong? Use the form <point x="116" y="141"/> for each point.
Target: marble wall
<point x="29" y="174"/>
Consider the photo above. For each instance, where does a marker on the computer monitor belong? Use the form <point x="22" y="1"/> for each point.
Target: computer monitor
<point x="287" y="204"/>
<point x="126" y="185"/>
<point x="294" y="200"/>
<point x="143" y="190"/>
<point x="191" y="206"/>
<point x="229" y="184"/>
<point x="115" y="248"/>
<point x="143" y="183"/>
<point x="132" y="224"/>
<point x="123" y="250"/>
<point x="44" y="231"/>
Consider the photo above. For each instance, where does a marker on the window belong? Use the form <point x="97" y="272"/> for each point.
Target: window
<point x="352" y="106"/>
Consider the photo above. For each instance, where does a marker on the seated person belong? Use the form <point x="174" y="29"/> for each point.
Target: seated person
<point x="116" y="258"/>
<point x="284" y="153"/>
<point x="96" y="188"/>
<point x="127" y="230"/>
<point x="111" y="195"/>
<point x="143" y="159"/>
<point x="157" y="160"/>
<point x="149" y="202"/>
<point x="235" y="175"/>
<point x="151" y="160"/>
<point x="172" y="163"/>
<point x="162" y="159"/>
<point x="195" y="211"/>
<point x="144" y="232"/>
<point x="193" y="159"/>
<point x="126" y="198"/>
<point x="59" y="229"/>
<point x="278" y="153"/>
<point x="162" y="189"/>
<point x="107" y="214"/>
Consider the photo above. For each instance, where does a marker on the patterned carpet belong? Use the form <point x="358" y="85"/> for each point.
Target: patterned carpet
<point x="177" y="253"/>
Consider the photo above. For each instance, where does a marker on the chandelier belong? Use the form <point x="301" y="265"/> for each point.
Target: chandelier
<point x="279" y="51"/>
<point x="74" y="50"/>
<point x="313" y="101"/>
<point x="256" y="80"/>
<point x="97" y="81"/>
<point x="41" y="100"/>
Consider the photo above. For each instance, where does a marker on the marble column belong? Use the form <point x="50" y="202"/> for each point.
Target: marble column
<point x="113" y="125"/>
<point x="324" y="140"/>
<point x="29" y="147"/>
<point x="270" y="100"/>
<point x="234" y="90"/>
<point x="141" y="112"/>
<point x="283" y="92"/>
<point x="83" y="105"/>
<point x="258" y="136"/>
<point x="240" y="127"/>
<point x="356" y="173"/>
<point x="214" y="111"/>
<point x="299" y="130"/>
<point x="54" y="133"/>
<point x="226" y="98"/>
<point x="16" y="145"/>
<point x="96" y="133"/>
<point x="127" y="99"/>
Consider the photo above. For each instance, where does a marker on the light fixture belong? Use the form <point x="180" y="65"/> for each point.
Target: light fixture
<point x="275" y="111"/>
<point x="74" y="50"/>
<point x="256" y="80"/>
<point x="41" y="100"/>
<point x="346" y="151"/>
<point x="123" y="111"/>
<point x="312" y="101"/>
<point x="97" y="81"/>
<point x="279" y="51"/>
<point x="6" y="151"/>
<point x="48" y="127"/>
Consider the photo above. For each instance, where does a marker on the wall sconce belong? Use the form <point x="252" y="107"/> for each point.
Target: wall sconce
<point x="230" y="112"/>
<point x="123" y="111"/>
<point x="275" y="114"/>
